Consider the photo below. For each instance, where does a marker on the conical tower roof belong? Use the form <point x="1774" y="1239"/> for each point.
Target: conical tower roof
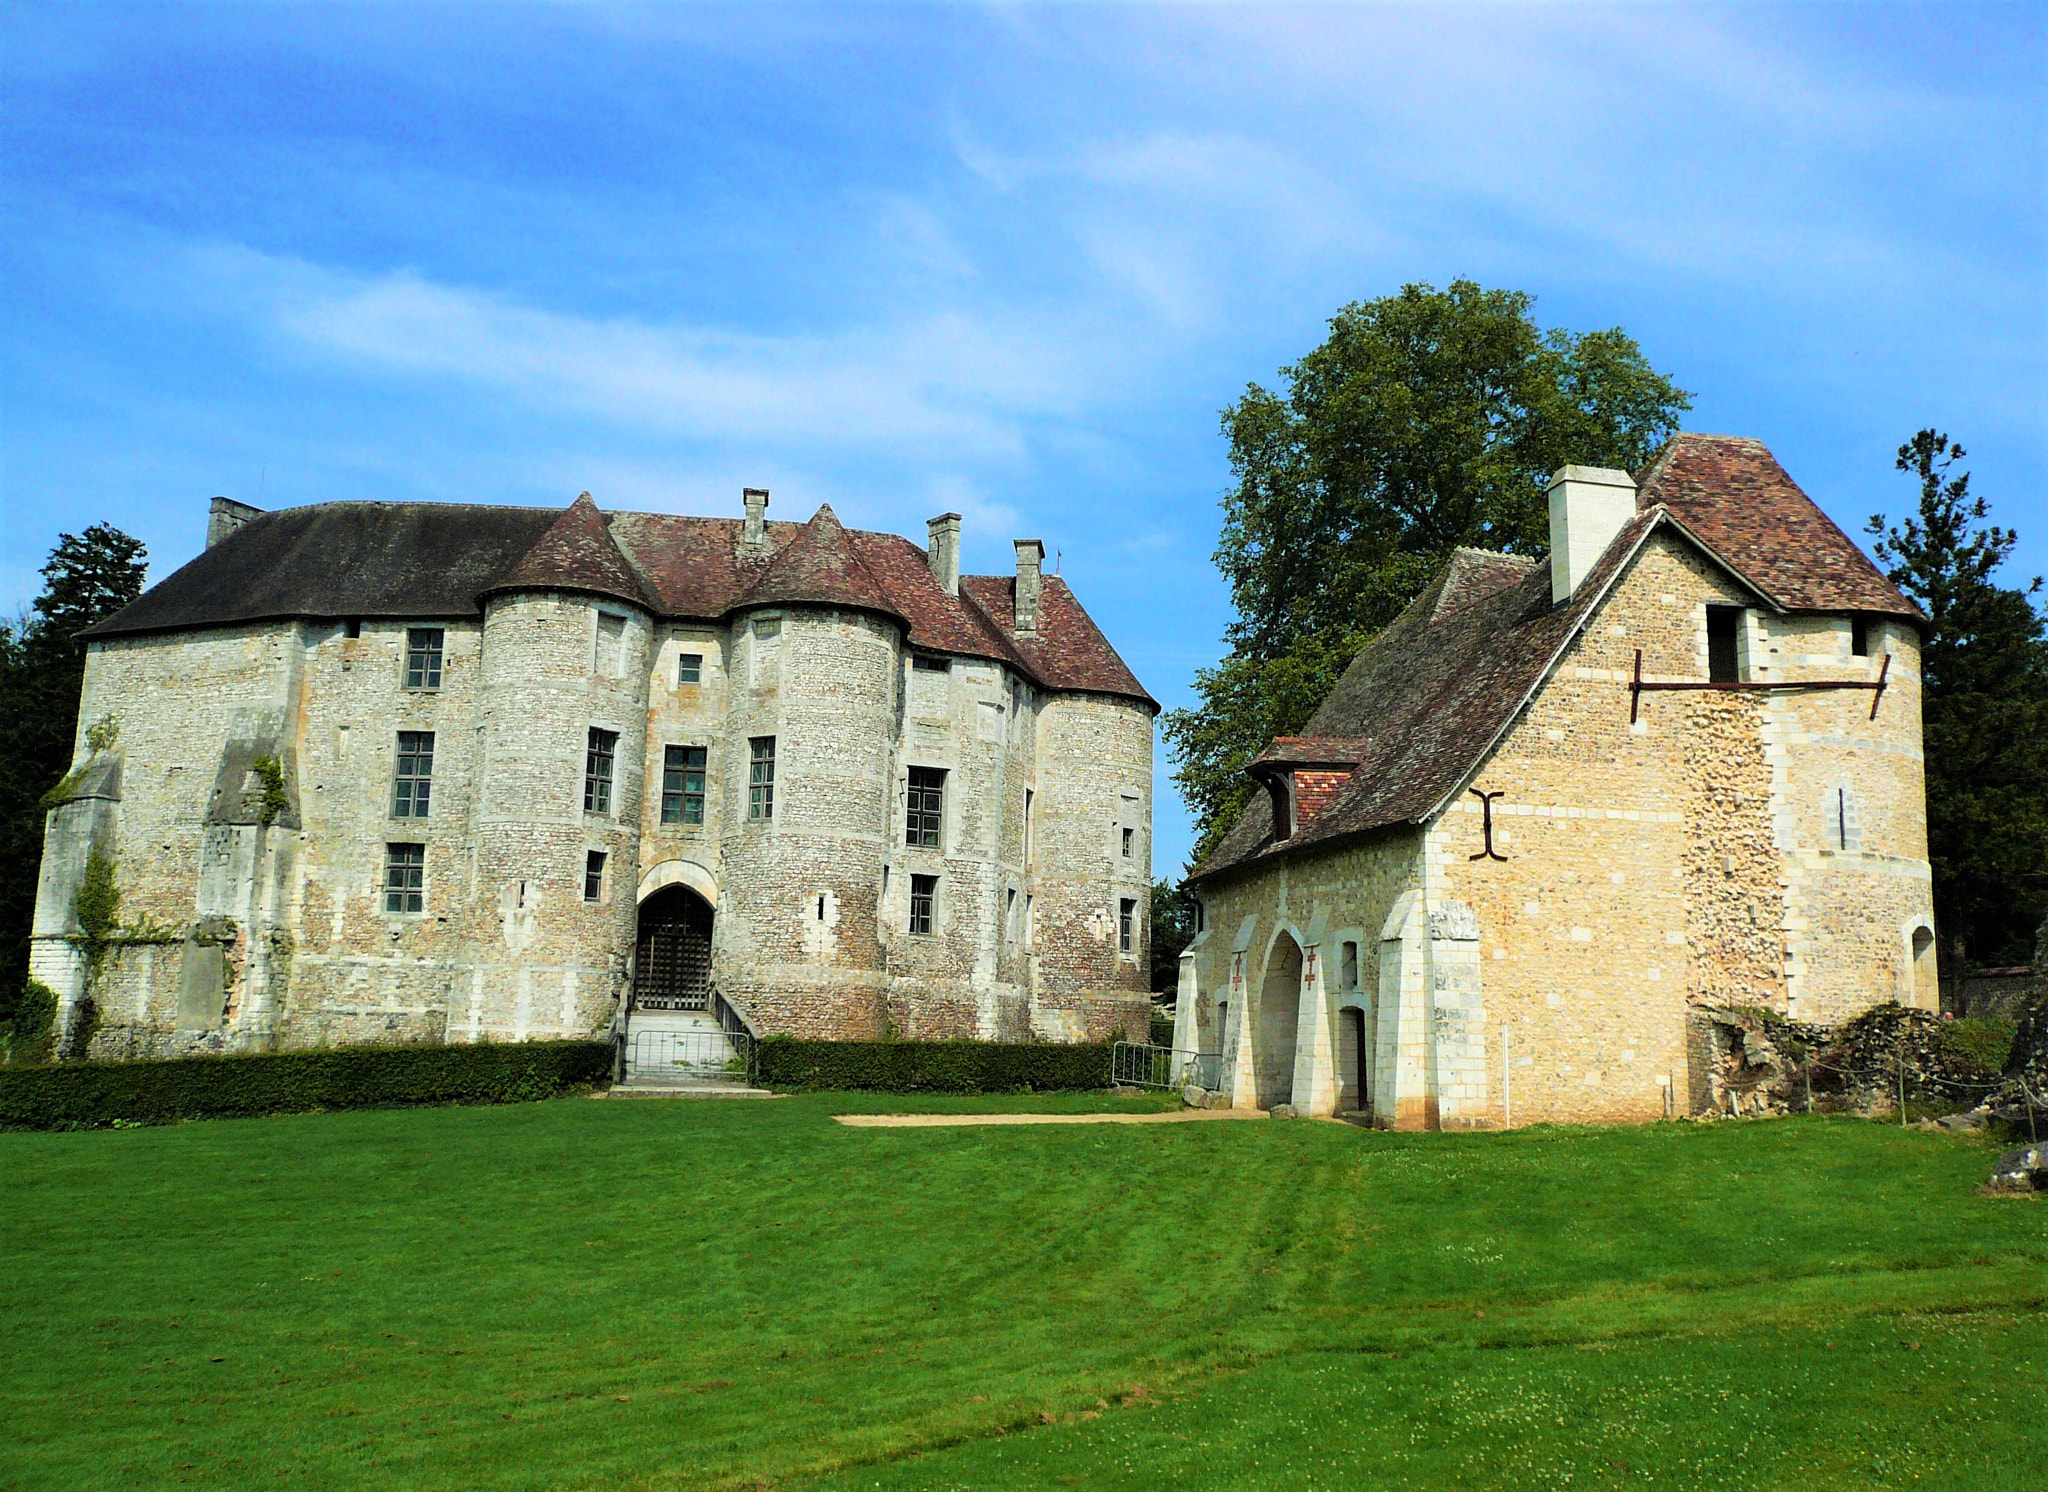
<point x="819" y="567"/>
<point x="578" y="553"/>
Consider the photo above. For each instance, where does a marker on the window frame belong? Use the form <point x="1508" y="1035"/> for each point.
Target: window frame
<point x="1859" y="637"/>
<point x="1127" y="924"/>
<point x="689" y="670"/>
<point x="760" y="779"/>
<point x="594" y="863"/>
<point x="1724" y="669"/>
<point x="924" y="905"/>
<point x="600" y="770"/>
<point x="423" y="660"/>
<point x="676" y="764"/>
<point x="924" y="809"/>
<point x="404" y="878"/>
<point x="412" y="792"/>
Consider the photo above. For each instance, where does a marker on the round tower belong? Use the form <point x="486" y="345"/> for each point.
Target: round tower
<point x="816" y="650"/>
<point x="563" y="722"/>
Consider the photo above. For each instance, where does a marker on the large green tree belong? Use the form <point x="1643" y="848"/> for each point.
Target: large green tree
<point x="1984" y="674"/>
<point x="42" y="668"/>
<point x="1427" y="420"/>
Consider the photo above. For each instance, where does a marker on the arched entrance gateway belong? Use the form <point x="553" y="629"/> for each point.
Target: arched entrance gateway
<point x="672" y="966"/>
<point x="1279" y="1015"/>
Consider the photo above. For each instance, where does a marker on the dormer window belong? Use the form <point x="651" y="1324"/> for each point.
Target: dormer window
<point x="1280" y="789"/>
<point x="1724" y="658"/>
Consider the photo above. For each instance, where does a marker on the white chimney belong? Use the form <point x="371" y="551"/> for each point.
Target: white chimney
<point x="1589" y="505"/>
<point x="1030" y="580"/>
<point x="942" y="550"/>
<point x="755" y="534"/>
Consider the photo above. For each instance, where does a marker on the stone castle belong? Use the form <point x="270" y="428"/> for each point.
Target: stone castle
<point x="373" y="772"/>
<point x="1556" y="810"/>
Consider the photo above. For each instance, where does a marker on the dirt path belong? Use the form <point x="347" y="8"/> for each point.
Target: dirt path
<point x="928" y="1121"/>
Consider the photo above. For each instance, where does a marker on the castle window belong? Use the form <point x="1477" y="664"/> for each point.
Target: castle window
<point x="761" y="778"/>
<point x="1010" y="914"/>
<point x="1723" y="656"/>
<point x="928" y="664"/>
<point x="610" y="662"/>
<point x="1030" y="921"/>
<point x="593" y="876"/>
<point x="405" y="878"/>
<point x="924" y="892"/>
<point x="423" y="657"/>
<point x="926" y="815"/>
<point x="352" y="628"/>
<point x="415" y="778"/>
<point x="597" y="770"/>
<point x="689" y="669"/>
<point x="1859" y="636"/>
<point x="682" y="785"/>
<point x="1126" y="924"/>
<point x="1130" y="840"/>
<point x="1029" y="798"/>
<point x="1844" y="830"/>
<point x="1349" y="966"/>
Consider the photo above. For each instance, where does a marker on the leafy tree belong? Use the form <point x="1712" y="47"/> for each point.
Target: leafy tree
<point x="89" y="576"/>
<point x="1427" y="420"/>
<point x="1173" y="928"/>
<point x="1984" y="673"/>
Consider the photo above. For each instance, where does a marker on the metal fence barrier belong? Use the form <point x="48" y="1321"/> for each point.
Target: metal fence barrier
<point x="687" y="1058"/>
<point x="1142" y="1065"/>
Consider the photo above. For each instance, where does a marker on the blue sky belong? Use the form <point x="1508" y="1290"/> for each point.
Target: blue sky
<point x="1006" y="260"/>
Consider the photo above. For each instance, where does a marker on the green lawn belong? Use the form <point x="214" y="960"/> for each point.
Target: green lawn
<point x="688" y="1293"/>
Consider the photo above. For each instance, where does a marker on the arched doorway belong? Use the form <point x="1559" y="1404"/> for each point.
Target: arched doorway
<point x="672" y="968"/>
<point x="1353" y="1084"/>
<point x="1279" y="1015"/>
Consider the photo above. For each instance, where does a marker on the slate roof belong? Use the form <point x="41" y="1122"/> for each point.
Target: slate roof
<point x="1426" y="701"/>
<point x="393" y="561"/>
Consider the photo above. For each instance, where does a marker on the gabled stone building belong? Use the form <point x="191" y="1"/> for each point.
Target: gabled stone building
<point x="413" y="771"/>
<point x="1556" y="808"/>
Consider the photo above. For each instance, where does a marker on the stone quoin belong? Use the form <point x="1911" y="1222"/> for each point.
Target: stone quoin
<point x="1557" y="808"/>
<point x="371" y="772"/>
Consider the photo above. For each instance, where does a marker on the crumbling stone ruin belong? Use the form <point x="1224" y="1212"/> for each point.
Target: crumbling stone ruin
<point x="445" y="772"/>
<point x="1557" y="811"/>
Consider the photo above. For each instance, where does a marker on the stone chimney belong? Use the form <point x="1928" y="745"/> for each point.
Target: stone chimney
<point x="942" y="550"/>
<point x="1030" y="581"/>
<point x="224" y="517"/>
<point x="1589" y="505"/>
<point x="755" y="534"/>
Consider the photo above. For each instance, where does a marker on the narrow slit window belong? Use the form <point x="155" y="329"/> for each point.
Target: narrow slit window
<point x="1130" y="841"/>
<point x="593" y="876"/>
<point x="413" y="787"/>
<point x="1723" y="656"/>
<point x="761" y="778"/>
<point x="598" y="763"/>
<point x="1029" y="800"/>
<point x="689" y="669"/>
<point x="1859" y="636"/>
<point x="924" y="892"/>
<point x="1126" y="924"/>
<point x="1010" y="915"/>
<point x="682" y="784"/>
<point x="1350" y="966"/>
<point x="405" y="878"/>
<point x="423" y="657"/>
<point x="926" y="814"/>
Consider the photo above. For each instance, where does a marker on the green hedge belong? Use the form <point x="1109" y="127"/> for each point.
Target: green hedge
<point x="86" y="1094"/>
<point x="931" y="1066"/>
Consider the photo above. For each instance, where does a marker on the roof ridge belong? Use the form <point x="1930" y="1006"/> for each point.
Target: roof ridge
<point x="578" y="553"/>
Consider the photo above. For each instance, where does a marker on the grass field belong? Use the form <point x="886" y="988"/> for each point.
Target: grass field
<point x="741" y="1293"/>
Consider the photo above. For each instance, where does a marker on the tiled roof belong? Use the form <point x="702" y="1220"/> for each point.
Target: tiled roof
<point x="1311" y="751"/>
<point x="819" y="567"/>
<point x="577" y="554"/>
<point x="1733" y="494"/>
<point x="1430" y="696"/>
<point x="423" y="560"/>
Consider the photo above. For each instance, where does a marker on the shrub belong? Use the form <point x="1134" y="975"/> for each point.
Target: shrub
<point x="931" y="1066"/>
<point x="88" y="1094"/>
<point x="31" y="1033"/>
<point x="1981" y="1043"/>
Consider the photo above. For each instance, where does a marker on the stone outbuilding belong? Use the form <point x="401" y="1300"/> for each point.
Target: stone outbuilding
<point x="443" y="772"/>
<point x="1558" y="807"/>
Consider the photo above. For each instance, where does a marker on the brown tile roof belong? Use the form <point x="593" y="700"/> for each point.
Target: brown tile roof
<point x="818" y="567"/>
<point x="1311" y="751"/>
<point x="577" y="554"/>
<point x="421" y="560"/>
<point x="1734" y="496"/>
<point x="1431" y="695"/>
